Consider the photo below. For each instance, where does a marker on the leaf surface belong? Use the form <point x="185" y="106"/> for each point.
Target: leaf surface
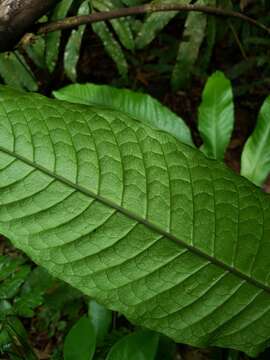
<point x="216" y="115"/>
<point x="80" y="343"/>
<point x="16" y="73"/>
<point x="53" y="39"/>
<point x="137" y="220"/>
<point x="140" y="106"/>
<point x="140" y="345"/>
<point x="101" y="319"/>
<point x="255" y="159"/>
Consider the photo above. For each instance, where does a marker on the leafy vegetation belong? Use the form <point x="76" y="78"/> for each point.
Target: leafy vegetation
<point x="156" y="242"/>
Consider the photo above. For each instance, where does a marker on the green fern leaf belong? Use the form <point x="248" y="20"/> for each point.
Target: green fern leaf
<point x="189" y="48"/>
<point x="155" y="23"/>
<point x="112" y="47"/>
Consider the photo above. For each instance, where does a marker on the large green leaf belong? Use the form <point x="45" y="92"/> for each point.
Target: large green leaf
<point x="140" y="106"/>
<point x="137" y="220"/>
<point x="255" y="160"/>
<point x="216" y="115"/>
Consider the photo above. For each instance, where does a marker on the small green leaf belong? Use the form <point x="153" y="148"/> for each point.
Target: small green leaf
<point x="139" y="106"/>
<point x="216" y="115"/>
<point x="139" y="345"/>
<point x="80" y="342"/>
<point x="16" y="73"/>
<point x="101" y="319"/>
<point x="10" y="286"/>
<point x="72" y="51"/>
<point x="32" y="291"/>
<point x="255" y="160"/>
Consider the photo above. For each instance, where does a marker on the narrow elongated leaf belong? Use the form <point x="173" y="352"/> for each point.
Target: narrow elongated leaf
<point x="255" y="160"/>
<point x="155" y="22"/>
<point x="80" y="343"/>
<point x="216" y="115"/>
<point x="139" y="345"/>
<point x="36" y="51"/>
<point x="189" y="48"/>
<point x="140" y="106"/>
<point x="120" y="26"/>
<point x="53" y="38"/>
<point x="137" y="220"/>
<point x="112" y="47"/>
<point x="73" y="47"/>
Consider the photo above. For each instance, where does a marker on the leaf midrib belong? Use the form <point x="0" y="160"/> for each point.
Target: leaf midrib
<point x="139" y="219"/>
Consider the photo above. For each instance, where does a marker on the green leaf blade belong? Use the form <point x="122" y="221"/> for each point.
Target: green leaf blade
<point x="112" y="47"/>
<point x="53" y="38"/>
<point x="139" y="345"/>
<point x="137" y="220"/>
<point x="137" y="105"/>
<point x="73" y="47"/>
<point x="216" y="115"/>
<point x="101" y="319"/>
<point x="188" y="52"/>
<point x="255" y="159"/>
<point x="80" y="343"/>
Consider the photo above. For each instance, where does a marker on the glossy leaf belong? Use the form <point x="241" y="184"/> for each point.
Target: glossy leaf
<point x="216" y="115"/>
<point x="73" y="47"/>
<point x="139" y="345"/>
<point x="101" y="319"/>
<point x="80" y="343"/>
<point x="139" y="106"/>
<point x="132" y="217"/>
<point x="255" y="160"/>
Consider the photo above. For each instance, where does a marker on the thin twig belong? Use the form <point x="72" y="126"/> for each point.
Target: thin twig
<point x="74" y="21"/>
<point x="238" y="42"/>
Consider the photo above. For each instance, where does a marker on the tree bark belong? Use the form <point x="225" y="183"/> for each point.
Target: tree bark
<point x="17" y="16"/>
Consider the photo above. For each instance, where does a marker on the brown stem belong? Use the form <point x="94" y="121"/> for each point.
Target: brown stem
<point x="75" y="21"/>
